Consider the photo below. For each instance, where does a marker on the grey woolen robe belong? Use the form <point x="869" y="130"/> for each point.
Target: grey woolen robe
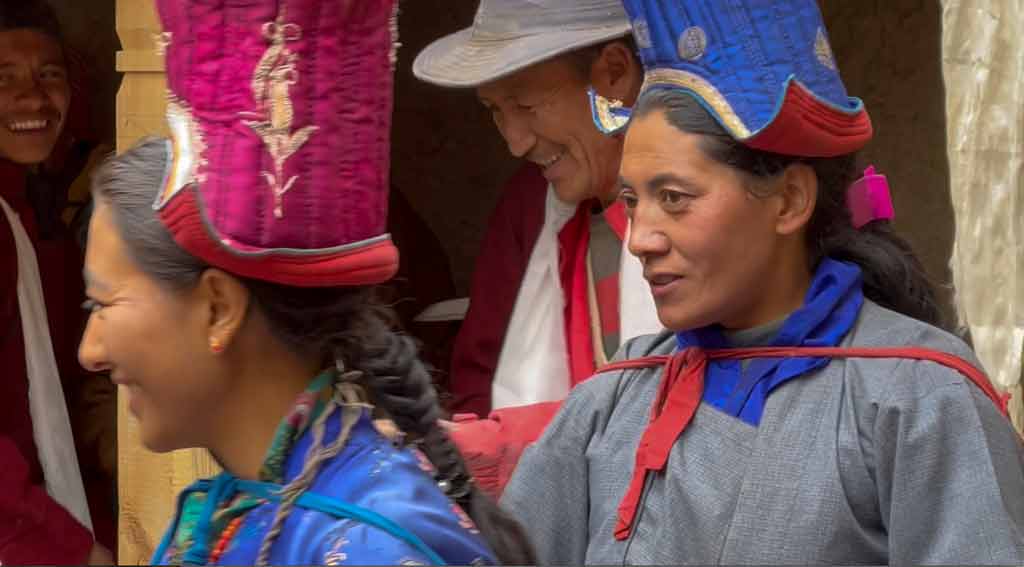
<point x="863" y="461"/>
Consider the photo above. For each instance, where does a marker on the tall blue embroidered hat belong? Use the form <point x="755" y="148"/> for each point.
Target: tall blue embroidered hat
<point x="763" y="68"/>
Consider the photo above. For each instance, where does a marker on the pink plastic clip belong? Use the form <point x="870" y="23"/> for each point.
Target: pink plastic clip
<point x="869" y="200"/>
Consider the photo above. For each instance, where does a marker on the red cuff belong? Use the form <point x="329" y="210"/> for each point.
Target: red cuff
<point x="492" y="447"/>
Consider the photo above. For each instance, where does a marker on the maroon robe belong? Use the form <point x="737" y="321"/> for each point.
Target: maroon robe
<point x="34" y="528"/>
<point x="492" y="445"/>
<point x="512" y="231"/>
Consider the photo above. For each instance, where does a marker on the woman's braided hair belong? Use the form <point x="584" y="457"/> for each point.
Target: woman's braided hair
<point x="344" y="327"/>
<point x="349" y="327"/>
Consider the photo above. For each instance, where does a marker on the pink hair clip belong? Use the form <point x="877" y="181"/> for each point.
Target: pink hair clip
<point x="869" y="200"/>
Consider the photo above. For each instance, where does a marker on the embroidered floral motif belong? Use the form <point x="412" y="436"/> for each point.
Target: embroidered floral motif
<point x="823" y="51"/>
<point x="273" y="78"/>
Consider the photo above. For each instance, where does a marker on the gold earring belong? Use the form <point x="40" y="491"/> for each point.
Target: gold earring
<point x="216" y="347"/>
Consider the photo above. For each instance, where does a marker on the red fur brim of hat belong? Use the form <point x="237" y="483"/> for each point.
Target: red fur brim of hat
<point x="806" y="127"/>
<point x="373" y="263"/>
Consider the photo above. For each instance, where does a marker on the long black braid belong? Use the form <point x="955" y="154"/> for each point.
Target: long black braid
<point x="350" y="325"/>
<point x="401" y="384"/>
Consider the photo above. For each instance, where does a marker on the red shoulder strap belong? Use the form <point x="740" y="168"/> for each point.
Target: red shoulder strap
<point x="681" y="389"/>
<point x="1001" y="399"/>
<point x="635" y="363"/>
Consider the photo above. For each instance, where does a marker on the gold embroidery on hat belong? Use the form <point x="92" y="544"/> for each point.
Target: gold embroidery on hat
<point x="692" y="43"/>
<point x="609" y="121"/>
<point x="823" y="51"/>
<point x="272" y="79"/>
<point x="703" y="89"/>
<point x="189" y="149"/>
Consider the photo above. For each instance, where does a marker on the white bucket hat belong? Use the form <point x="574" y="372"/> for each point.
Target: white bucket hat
<point x="509" y="35"/>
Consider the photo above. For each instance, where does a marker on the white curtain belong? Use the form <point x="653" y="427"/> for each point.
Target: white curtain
<point x="983" y="68"/>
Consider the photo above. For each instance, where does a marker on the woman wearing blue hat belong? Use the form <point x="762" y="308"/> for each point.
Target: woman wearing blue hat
<point x="805" y="406"/>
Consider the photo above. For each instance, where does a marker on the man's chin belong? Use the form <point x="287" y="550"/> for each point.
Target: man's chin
<point x="27" y="153"/>
<point x="22" y="157"/>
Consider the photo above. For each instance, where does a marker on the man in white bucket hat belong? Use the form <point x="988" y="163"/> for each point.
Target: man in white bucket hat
<point x="554" y="293"/>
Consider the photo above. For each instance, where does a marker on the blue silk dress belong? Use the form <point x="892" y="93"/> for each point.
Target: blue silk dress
<point x="374" y="503"/>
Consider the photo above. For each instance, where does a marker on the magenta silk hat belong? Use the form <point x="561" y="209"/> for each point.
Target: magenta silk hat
<point x="280" y="118"/>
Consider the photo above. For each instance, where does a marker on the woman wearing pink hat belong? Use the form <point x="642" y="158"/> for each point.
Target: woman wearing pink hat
<point x="229" y="275"/>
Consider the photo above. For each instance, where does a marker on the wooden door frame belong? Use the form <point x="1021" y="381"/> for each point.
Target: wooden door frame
<point x="148" y="483"/>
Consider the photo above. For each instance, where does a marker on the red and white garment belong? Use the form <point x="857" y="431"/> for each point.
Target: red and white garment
<point x="50" y="422"/>
<point x="543" y="357"/>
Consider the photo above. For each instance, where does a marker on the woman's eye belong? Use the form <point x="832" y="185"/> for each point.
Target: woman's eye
<point x="674" y="200"/>
<point x="91" y="305"/>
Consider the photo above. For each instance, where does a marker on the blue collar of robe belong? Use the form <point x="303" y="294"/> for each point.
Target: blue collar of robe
<point x="829" y="311"/>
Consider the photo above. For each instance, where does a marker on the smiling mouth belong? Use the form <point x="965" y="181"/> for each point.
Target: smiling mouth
<point x="545" y="164"/>
<point x="28" y="126"/>
<point x="662" y="280"/>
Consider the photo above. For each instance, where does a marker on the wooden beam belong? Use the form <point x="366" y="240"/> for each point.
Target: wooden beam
<point x="148" y="483"/>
